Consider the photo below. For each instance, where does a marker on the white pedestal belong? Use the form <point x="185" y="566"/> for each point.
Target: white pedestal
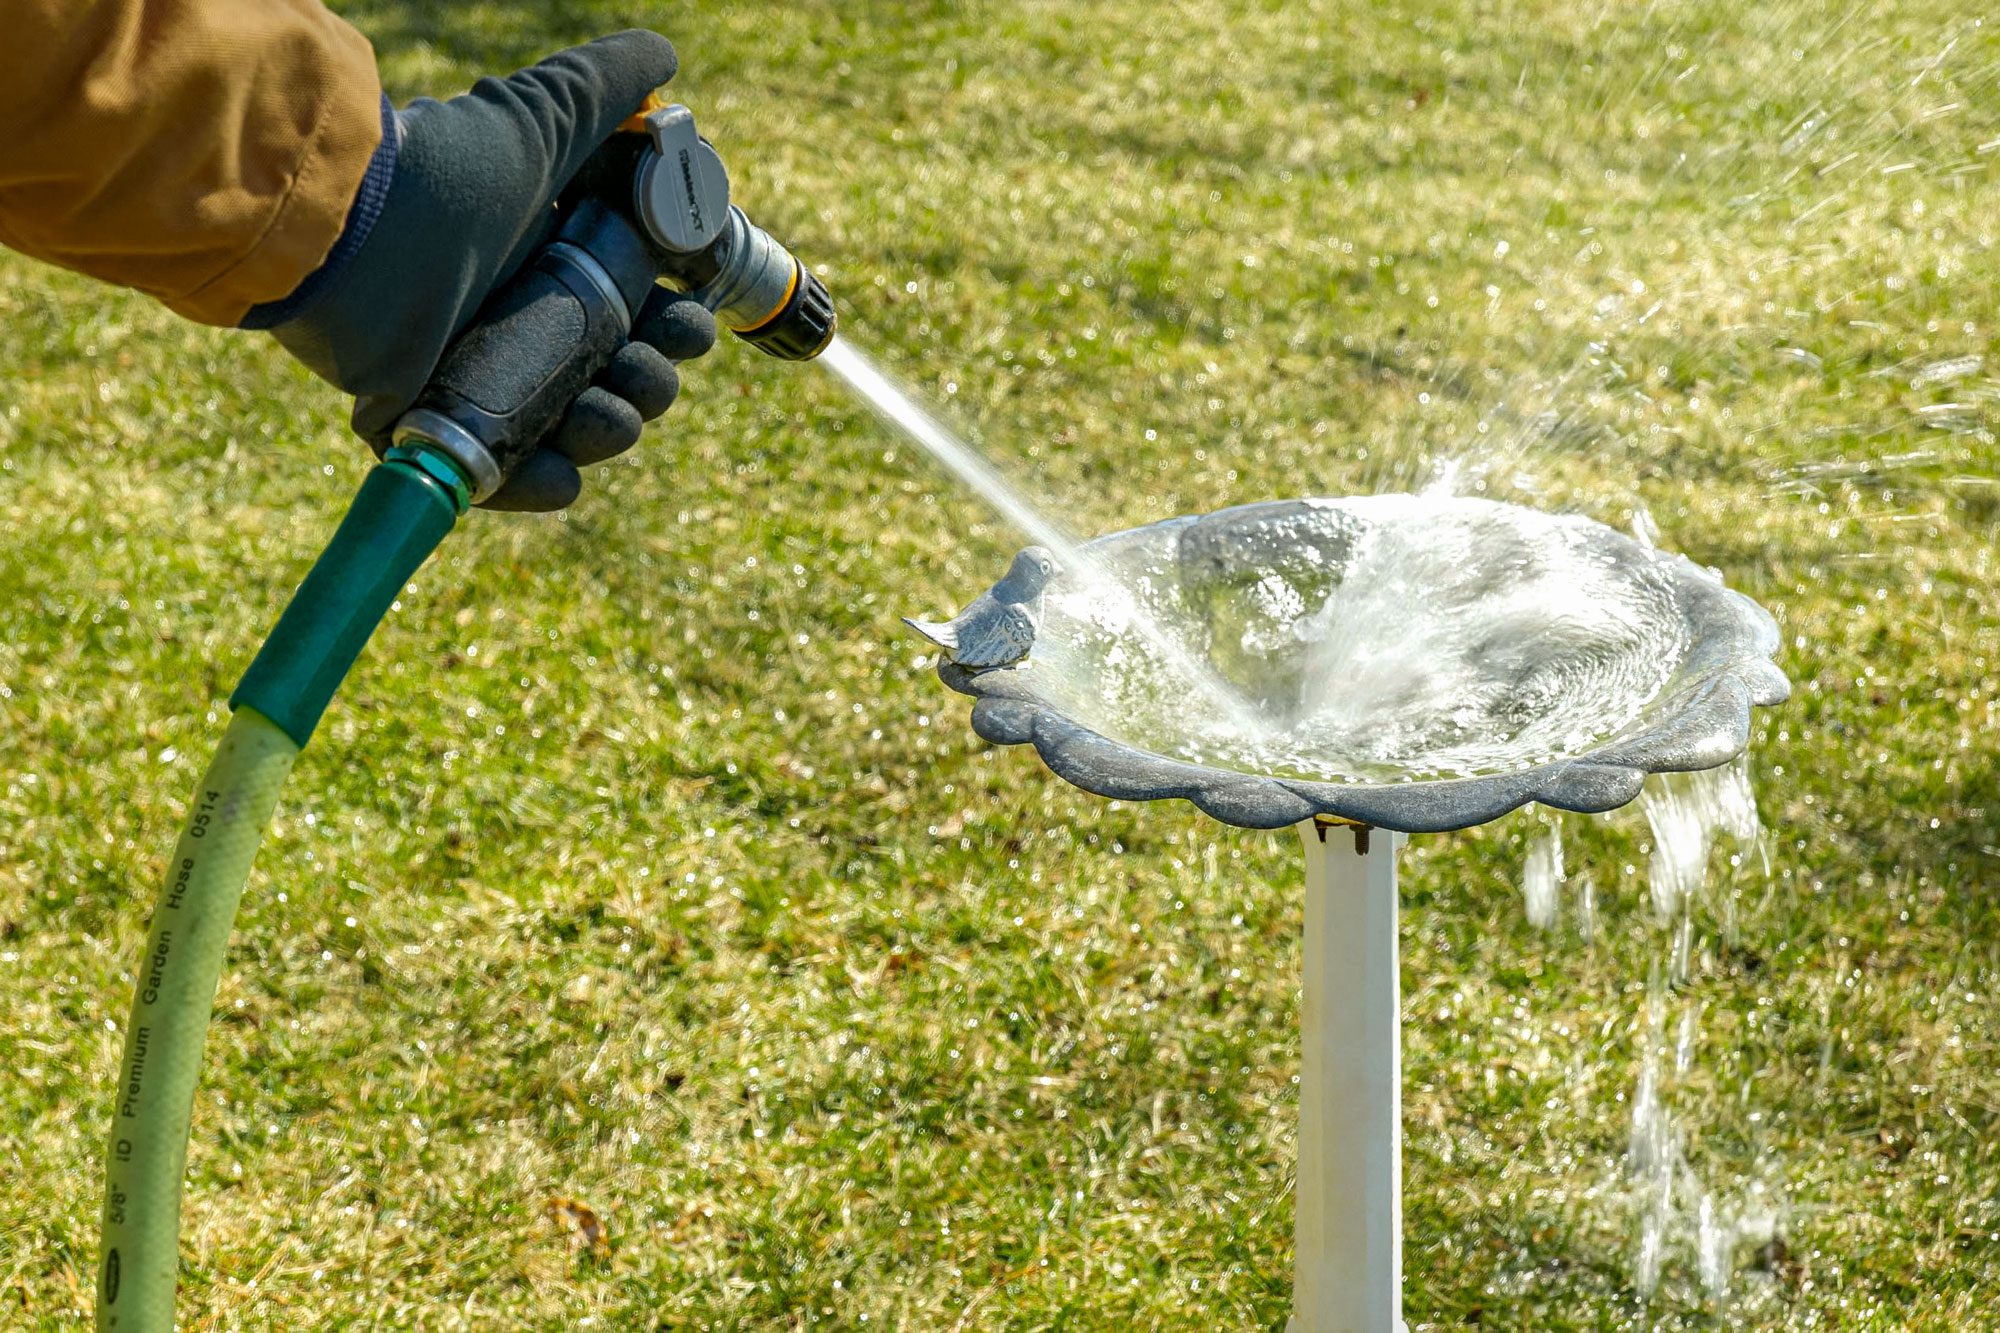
<point x="1349" y="1275"/>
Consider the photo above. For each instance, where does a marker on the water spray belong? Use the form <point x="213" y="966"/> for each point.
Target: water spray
<point x="653" y="207"/>
<point x="1084" y="570"/>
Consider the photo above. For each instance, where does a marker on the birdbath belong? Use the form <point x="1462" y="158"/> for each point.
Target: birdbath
<point x="1364" y="669"/>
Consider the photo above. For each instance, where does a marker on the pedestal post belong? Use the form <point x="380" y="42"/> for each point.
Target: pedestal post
<point x="1349" y="1275"/>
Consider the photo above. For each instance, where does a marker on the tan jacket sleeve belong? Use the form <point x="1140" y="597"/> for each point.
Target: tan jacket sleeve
<point x="204" y="151"/>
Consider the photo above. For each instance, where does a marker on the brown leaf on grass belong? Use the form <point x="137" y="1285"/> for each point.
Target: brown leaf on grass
<point x="581" y="1225"/>
<point x="1775" y="1257"/>
<point x="691" y="1215"/>
<point x="902" y="961"/>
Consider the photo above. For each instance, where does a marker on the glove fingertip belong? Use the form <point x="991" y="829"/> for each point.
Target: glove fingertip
<point x="598" y="425"/>
<point x="544" y="483"/>
<point x="642" y="377"/>
<point x="679" y="328"/>
<point x="646" y="53"/>
<point x="604" y="82"/>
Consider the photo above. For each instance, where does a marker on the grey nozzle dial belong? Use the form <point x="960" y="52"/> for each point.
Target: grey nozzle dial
<point x="682" y="192"/>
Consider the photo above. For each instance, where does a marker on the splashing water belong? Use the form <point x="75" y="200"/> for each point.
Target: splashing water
<point x="1686" y="811"/>
<point x="1469" y="637"/>
<point x="1377" y="638"/>
<point x="1675" y="1208"/>
<point x="1385" y="638"/>
<point x="1542" y="877"/>
<point x="1079" y="569"/>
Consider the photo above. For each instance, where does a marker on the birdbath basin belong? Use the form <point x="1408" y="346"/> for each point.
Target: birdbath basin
<point x="1363" y="669"/>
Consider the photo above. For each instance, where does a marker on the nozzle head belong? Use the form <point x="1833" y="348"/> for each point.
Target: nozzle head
<point x="803" y="326"/>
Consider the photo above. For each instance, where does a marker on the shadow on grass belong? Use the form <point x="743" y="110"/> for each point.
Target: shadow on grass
<point x="489" y="35"/>
<point x="497" y="36"/>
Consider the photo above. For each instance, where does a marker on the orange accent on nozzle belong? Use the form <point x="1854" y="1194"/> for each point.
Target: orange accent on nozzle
<point x="776" y="310"/>
<point x="636" y="122"/>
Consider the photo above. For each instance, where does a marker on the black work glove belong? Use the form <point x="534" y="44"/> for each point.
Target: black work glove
<point x="472" y="198"/>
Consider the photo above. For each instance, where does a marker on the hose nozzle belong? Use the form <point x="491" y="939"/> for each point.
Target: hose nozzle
<point x="766" y="297"/>
<point x="757" y="288"/>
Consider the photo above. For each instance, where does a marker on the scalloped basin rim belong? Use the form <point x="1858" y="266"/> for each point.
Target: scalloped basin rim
<point x="1704" y="722"/>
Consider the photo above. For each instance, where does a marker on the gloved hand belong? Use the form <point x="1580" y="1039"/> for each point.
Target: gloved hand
<point x="470" y="199"/>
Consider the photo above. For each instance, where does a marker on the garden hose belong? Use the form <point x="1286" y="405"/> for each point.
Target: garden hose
<point x="163" y="1039"/>
<point x="403" y="511"/>
<point x="652" y="211"/>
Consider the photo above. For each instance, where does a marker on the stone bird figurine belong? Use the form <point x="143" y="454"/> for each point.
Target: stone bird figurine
<point x="999" y="627"/>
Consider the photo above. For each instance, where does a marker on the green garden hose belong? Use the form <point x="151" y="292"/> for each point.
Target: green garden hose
<point x="163" y="1039"/>
<point x="403" y="511"/>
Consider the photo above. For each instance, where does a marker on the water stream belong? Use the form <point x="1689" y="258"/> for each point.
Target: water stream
<point x="1079" y="568"/>
<point x="895" y="406"/>
<point x="1677" y="1208"/>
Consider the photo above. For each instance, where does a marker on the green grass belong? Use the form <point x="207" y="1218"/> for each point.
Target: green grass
<point x="643" y="862"/>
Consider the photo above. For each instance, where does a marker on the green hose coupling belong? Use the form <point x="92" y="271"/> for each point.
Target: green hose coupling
<point x="404" y="509"/>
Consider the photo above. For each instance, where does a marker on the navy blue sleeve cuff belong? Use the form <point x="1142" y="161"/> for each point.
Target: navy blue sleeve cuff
<point x="361" y="215"/>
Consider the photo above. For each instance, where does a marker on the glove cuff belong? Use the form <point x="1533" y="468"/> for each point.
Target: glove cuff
<point x="361" y="216"/>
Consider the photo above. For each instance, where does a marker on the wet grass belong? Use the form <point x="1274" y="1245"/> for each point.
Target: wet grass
<point x="643" y="863"/>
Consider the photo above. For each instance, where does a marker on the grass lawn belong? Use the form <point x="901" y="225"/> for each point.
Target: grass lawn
<point x="643" y="862"/>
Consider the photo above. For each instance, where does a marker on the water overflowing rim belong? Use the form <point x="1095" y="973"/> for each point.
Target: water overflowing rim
<point x="1706" y="722"/>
